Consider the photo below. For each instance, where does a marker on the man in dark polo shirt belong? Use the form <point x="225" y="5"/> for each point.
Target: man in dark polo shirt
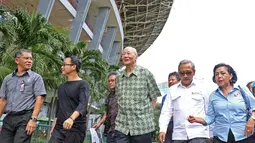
<point x="21" y="98"/>
<point x="73" y="95"/>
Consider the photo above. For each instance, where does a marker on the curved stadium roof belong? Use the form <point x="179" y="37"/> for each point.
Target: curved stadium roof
<point x="143" y="21"/>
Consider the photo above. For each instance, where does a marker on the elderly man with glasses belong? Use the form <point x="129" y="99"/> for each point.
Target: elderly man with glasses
<point x="186" y="97"/>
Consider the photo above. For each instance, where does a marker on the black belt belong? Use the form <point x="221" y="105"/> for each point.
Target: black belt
<point x="14" y="113"/>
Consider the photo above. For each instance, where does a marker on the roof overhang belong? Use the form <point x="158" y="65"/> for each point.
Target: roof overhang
<point x="143" y="21"/>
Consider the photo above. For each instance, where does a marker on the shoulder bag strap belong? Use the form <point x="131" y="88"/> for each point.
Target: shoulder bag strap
<point x="247" y="102"/>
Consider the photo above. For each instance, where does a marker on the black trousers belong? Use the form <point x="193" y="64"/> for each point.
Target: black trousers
<point x="231" y="139"/>
<point x="194" y="140"/>
<point x="169" y="132"/>
<point x="14" y="129"/>
<point x="123" y="138"/>
<point x="110" y="138"/>
<point x="64" y="136"/>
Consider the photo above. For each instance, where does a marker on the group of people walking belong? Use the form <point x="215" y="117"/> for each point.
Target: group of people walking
<point x="189" y="112"/>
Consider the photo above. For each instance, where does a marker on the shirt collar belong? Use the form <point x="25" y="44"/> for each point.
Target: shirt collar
<point x="219" y="91"/>
<point x="192" y="84"/>
<point x="134" y="72"/>
<point x="28" y="72"/>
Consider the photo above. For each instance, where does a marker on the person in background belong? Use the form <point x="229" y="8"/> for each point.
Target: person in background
<point x="73" y="96"/>
<point x="21" y="98"/>
<point x="227" y="109"/>
<point x="249" y="85"/>
<point x="186" y="97"/>
<point x="137" y="93"/>
<point x="173" y="78"/>
<point x="111" y="110"/>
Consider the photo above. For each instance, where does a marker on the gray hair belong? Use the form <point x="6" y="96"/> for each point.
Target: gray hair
<point x="133" y="50"/>
<point x="186" y="62"/>
<point x="21" y="51"/>
<point x="112" y="73"/>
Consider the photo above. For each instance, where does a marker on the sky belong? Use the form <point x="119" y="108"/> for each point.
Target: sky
<point x="206" y="32"/>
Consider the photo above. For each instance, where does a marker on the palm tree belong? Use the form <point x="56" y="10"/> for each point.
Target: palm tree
<point x="49" y="45"/>
<point x="22" y="30"/>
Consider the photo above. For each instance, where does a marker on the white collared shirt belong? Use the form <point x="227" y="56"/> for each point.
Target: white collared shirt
<point x="182" y="102"/>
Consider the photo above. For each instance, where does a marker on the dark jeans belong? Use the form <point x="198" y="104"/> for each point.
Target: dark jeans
<point x="231" y="139"/>
<point x="194" y="140"/>
<point x="64" y="136"/>
<point x="169" y="132"/>
<point x="110" y="138"/>
<point x="122" y="138"/>
<point x="14" y="129"/>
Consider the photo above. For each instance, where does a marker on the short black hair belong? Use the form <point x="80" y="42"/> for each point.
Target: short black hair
<point x="176" y="74"/>
<point x="76" y="61"/>
<point x="112" y="73"/>
<point x="230" y="71"/>
<point x="21" y="51"/>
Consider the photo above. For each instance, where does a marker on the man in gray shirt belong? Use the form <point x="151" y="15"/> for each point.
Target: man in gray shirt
<point x="21" y="98"/>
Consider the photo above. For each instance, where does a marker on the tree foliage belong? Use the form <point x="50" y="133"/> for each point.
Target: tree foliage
<point x="20" y="29"/>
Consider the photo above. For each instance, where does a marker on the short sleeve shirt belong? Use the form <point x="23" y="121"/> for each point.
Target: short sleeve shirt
<point x="135" y="93"/>
<point x="21" y="91"/>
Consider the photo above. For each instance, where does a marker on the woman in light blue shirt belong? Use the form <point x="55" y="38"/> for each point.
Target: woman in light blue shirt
<point x="227" y="109"/>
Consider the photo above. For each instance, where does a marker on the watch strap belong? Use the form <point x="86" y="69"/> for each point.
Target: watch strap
<point x="33" y="118"/>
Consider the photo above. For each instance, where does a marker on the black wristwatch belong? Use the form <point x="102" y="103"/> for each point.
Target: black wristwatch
<point x="33" y="118"/>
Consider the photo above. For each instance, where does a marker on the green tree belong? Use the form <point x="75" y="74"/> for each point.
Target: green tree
<point x="49" y="45"/>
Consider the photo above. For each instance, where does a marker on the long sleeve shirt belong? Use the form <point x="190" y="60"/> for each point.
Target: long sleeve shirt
<point x="182" y="102"/>
<point x="228" y="112"/>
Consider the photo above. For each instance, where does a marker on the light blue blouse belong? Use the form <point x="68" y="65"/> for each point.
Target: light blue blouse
<point x="228" y="113"/>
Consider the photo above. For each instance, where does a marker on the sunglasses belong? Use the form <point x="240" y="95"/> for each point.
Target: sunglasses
<point x="188" y="73"/>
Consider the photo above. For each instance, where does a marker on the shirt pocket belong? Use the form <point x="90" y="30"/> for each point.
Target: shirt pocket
<point x="197" y="100"/>
<point x="176" y="103"/>
<point x="28" y="88"/>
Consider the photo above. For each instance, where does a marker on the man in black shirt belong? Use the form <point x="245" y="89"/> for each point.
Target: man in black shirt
<point x="70" y="123"/>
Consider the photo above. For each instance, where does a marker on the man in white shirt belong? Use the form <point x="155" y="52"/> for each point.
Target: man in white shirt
<point x="189" y="97"/>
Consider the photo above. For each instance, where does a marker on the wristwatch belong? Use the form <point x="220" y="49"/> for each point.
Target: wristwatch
<point x="33" y="118"/>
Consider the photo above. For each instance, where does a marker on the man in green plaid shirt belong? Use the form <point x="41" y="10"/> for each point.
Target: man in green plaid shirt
<point x="137" y="93"/>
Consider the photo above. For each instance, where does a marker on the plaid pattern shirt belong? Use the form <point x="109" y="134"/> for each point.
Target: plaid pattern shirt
<point x="135" y="93"/>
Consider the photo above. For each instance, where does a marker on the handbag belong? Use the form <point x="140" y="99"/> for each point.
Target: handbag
<point x="247" y="103"/>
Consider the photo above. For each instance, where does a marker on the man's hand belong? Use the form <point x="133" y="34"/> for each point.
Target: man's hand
<point x="249" y="129"/>
<point x="161" y="137"/>
<point x="68" y="124"/>
<point x="97" y="125"/>
<point x="31" y="126"/>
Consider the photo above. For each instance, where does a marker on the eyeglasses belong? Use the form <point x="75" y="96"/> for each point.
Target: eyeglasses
<point x="26" y="58"/>
<point x="188" y="73"/>
<point x="67" y="65"/>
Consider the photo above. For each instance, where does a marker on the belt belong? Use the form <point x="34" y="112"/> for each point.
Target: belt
<point x="14" y="113"/>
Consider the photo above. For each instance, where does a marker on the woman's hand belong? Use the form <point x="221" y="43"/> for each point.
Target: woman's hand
<point x="249" y="129"/>
<point x="191" y="119"/>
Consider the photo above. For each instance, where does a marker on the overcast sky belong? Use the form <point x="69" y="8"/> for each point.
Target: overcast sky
<point x="206" y="32"/>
